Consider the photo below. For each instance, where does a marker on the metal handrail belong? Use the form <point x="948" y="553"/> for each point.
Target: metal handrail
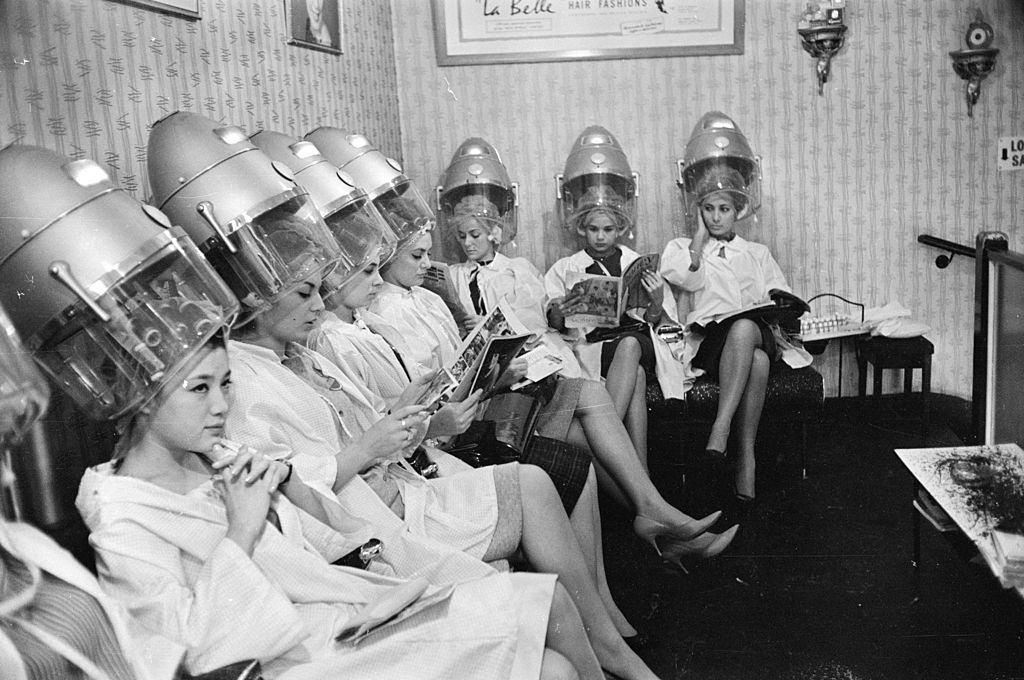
<point x="942" y="261"/>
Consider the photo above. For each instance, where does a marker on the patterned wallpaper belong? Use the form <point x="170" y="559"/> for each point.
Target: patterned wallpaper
<point x="851" y="177"/>
<point x="87" y="78"/>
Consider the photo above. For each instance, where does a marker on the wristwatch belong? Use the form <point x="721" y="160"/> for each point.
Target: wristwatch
<point x="371" y="550"/>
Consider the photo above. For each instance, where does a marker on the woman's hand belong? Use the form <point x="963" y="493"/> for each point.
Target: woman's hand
<point x="248" y="481"/>
<point x="561" y="307"/>
<point x="654" y="285"/>
<point x="700" y="239"/>
<point x="454" y="417"/>
<point x="390" y="436"/>
<point x="413" y="393"/>
<point x="470" y="322"/>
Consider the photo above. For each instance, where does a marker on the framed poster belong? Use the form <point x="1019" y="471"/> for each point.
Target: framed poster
<point x="511" y="31"/>
<point x="315" y="24"/>
<point x="188" y="9"/>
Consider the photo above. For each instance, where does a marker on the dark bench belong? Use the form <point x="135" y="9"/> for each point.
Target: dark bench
<point x="794" y="398"/>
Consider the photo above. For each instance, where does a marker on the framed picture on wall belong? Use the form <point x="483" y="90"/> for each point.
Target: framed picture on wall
<point x="315" y="24"/>
<point x="188" y="9"/>
<point x="510" y="31"/>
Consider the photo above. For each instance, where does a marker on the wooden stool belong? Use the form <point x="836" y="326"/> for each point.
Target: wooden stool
<point x="900" y="353"/>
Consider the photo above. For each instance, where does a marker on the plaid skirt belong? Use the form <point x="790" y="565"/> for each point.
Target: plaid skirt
<point x="567" y="466"/>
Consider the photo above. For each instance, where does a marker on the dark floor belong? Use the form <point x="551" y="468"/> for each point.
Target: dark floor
<point x="820" y="582"/>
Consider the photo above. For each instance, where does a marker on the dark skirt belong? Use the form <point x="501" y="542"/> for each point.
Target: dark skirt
<point x="567" y="466"/>
<point x="709" y="354"/>
<point x="646" y="351"/>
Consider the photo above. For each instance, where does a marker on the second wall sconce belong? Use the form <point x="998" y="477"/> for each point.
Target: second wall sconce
<point x="975" y="61"/>
<point x="821" y="30"/>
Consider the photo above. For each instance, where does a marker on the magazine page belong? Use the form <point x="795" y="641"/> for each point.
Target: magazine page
<point x="600" y="296"/>
<point x="540" y="363"/>
<point x="633" y="294"/>
<point x="438" y="390"/>
<point x="763" y="304"/>
<point x="472" y="349"/>
<point x="492" y="369"/>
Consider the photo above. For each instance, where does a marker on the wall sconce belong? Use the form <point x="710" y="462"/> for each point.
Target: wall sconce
<point x="976" y="61"/>
<point x="821" y="30"/>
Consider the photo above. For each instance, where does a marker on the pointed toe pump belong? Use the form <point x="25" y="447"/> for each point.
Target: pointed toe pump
<point x="685" y="554"/>
<point x="651" y="529"/>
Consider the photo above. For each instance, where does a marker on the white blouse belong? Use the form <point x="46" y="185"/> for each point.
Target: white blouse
<point x="722" y="285"/>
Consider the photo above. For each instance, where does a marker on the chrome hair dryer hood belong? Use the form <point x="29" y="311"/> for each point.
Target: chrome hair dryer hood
<point x="394" y="194"/>
<point x="110" y="299"/>
<point x="355" y="223"/>
<point x="258" y="229"/>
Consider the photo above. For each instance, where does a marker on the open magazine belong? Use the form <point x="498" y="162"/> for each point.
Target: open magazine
<point x="484" y="356"/>
<point x="783" y="308"/>
<point x="607" y="298"/>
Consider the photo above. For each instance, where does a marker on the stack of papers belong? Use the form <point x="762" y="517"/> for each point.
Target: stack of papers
<point x="1010" y="555"/>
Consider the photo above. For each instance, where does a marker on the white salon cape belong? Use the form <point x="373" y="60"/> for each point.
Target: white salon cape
<point x="375" y="375"/>
<point x="366" y="356"/>
<point x="673" y="373"/>
<point x="151" y="656"/>
<point x="429" y="337"/>
<point x="165" y="556"/>
<point x="518" y="282"/>
<point x="282" y="416"/>
<point x="721" y="285"/>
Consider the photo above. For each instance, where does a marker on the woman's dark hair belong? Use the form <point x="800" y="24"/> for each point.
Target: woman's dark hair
<point x="126" y="426"/>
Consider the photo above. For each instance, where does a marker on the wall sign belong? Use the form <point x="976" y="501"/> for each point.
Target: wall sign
<point x="507" y="31"/>
<point x="1011" y="153"/>
<point x="189" y="9"/>
<point x="315" y="24"/>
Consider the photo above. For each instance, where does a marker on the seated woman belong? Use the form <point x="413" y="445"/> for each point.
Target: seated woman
<point x="725" y="273"/>
<point x="422" y="319"/>
<point x="487" y="512"/>
<point x="232" y="560"/>
<point x="597" y="205"/>
<point x="372" y="365"/>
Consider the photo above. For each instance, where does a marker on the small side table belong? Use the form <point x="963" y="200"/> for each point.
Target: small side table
<point x="900" y="353"/>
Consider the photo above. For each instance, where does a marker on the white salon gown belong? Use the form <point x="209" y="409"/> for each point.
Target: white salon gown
<point x="518" y="282"/>
<point x="164" y="555"/>
<point x="280" y="414"/>
<point x="429" y="337"/>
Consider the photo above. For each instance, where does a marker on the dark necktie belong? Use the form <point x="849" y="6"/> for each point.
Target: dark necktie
<point x="721" y="253"/>
<point x="474" y="294"/>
